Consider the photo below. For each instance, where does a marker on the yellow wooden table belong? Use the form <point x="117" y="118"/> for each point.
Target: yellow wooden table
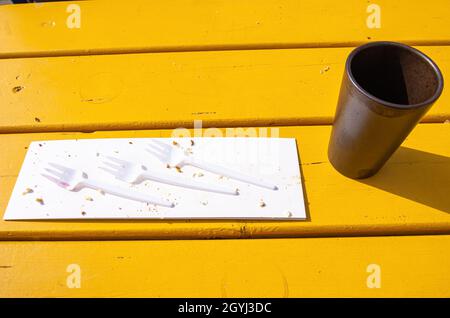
<point x="99" y="69"/>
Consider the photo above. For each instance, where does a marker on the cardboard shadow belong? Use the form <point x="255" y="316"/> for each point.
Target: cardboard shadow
<point x="416" y="175"/>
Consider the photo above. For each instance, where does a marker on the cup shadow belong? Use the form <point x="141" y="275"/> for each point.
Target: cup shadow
<point x="416" y="175"/>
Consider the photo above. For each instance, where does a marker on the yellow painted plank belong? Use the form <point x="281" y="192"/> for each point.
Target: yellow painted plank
<point x="180" y="25"/>
<point x="168" y="90"/>
<point x="408" y="266"/>
<point x="409" y="196"/>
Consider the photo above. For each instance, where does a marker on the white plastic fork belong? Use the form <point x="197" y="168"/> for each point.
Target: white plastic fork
<point x="75" y="180"/>
<point x="134" y="173"/>
<point x="174" y="156"/>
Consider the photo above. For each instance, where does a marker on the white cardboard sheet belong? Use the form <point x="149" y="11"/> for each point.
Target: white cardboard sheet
<point x="273" y="159"/>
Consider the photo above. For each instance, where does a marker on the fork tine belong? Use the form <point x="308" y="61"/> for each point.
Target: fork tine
<point x="58" y="166"/>
<point x="117" y="160"/>
<point x="163" y="149"/>
<point x="55" y="173"/>
<point x="157" y="154"/>
<point x="53" y="179"/>
<point x="112" y="165"/>
<point x="157" y="148"/>
<point x="161" y="143"/>
<point x="111" y="171"/>
<point x="159" y="151"/>
<point x="158" y="144"/>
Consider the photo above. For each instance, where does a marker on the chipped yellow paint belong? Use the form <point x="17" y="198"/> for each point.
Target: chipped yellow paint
<point x="168" y="90"/>
<point x="180" y="25"/>
<point x="409" y="266"/>
<point x="409" y="196"/>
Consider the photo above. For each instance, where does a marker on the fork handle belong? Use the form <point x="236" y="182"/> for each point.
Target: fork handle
<point x="230" y="173"/>
<point x="126" y="193"/>
<point x="187" y="183"/>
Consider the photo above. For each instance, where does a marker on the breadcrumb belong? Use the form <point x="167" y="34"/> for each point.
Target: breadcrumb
<point x="27" y="190"/>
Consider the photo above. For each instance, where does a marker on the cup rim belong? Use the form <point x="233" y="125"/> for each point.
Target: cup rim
<point x="433" y="65"/>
